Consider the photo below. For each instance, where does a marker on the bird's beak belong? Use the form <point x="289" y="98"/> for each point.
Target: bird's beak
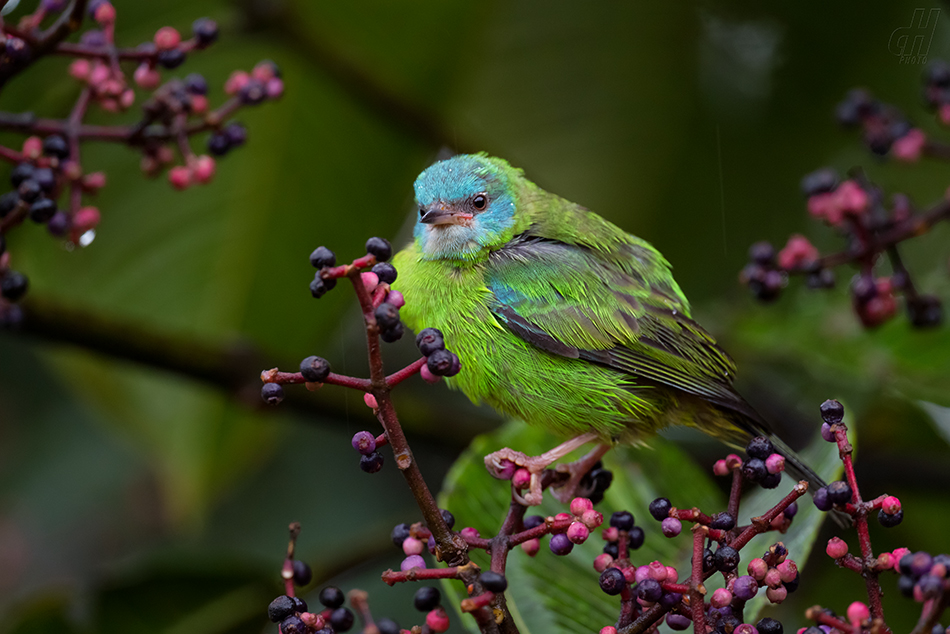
<point x="440" y="215"/>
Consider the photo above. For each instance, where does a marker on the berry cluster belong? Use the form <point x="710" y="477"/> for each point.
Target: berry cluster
<point x="873" y="225"/>
<point x="48" y="167"/>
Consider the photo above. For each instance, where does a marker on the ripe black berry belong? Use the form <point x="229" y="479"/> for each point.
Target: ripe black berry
<point x="769" y="626"/>
<point x="792" y="586"/>
<point x="832" y="411"/>
<point x="839" y="492"/>
<point x="387" y="316"/>
<point x="45" y="177"/>
<point x="448" y="518"/>
<point x="272" y="393"/>
<point x="440" y="362"/>
<point x="660" y="509"/>
<point x="332" y="597"/>
<point x="341" y="619"/>
<point x="762" y="253"/>
<point x="387" y="626"/>
<point x="20" y="173"/>
<point x="8" y="203"/>
<point x="371" y="463"/>
<point x="821" y="499"/>
<point x="493" y="581"/>
<point x="219" y="144"/>
<point x="322" y="257"/>
<point x="196" y="84"/>
<point x="760" y="447"/>
<point x="429" y="340"/>
<point x="13" y="285"/>
<point x="650" y="590"/>
<point x="533" y="521"/>
<point x="925" y="311"/>
<point x="612" y="581"/>
<point x="293" y="625"/>
<point x="636" y="537"/>
<point x="253" y="92"/>
<point x="280" y="608"/>
<point x="385" y="271"/>
<point x="315" y="369"/>
<point x="205" y="30"/>
<point x="399" y="534"/>
<point x="427" y="598"/>
<point x="820" y="181"/>
<point x="622" y="520"/>
<point x="754" y="470"/>
<point x="55" y="145"/>
<point x="379" y="248"/>
<point x="905" y="584"/>
<point x="171" y="58"/>
<point x="29" y="190"/>
<point x="236" y="133"/>
<point x="890" y="520"/>
<point x="42" y="210"/>
<point x="709" y="560"/>
<point x="302" y="573"/>
<point x="771" y="481"/>
<point x="723" y="521"/>
<point x="612" y="549"/>
<point x="392" y="334"/>
<point x="299" y="604"/>
<point x="727" y="558"/>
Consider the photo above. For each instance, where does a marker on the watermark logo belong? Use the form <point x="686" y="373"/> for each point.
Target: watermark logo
<point x="912" y="43"/>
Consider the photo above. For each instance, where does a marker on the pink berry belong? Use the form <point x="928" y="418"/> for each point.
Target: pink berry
<point x="99" y="73"/>
<point x="671" y="575"/>
<point x="796" y="253"/>
<point x="127" y="98"/>
<point x="437" y="620"/>
<point x="274" y="88"/>
<point x="897" y="555"/>
<point x="531" y="547"/>
<point x="788" y="570"/>
<point x="858" y="612"/>
<point x="204" y="168"/>
<point x="609" y="629"/>
<point x="370" y="401"/>
<point x="396" y="299"/>
<point x="630" y="574"/>
<point x="105" y="13"/>
<point x="562" y="516"/>
<point x="885" y="561"/>
<point x="236" y="82"/>
<point x="80" y="69"/>
<point x="720" y="468"/>
<point x="199" y="104"/>
<point x="33" y="147"/>
<point x="94" y="180"/>
<point x="836" y="548"/>
<point x="146" y="76"/>
<point x="776" y="595"/>
<point x="412" y="546"/>
<point x="578" y="533"/>
<point x="180" y="177"/>
<point x="469" y="532"/>
<point x="412" y="561"/>
<point x="775" y="463"/>
<point x="370" y="281"/>
<point x="851" y="197"/>
<point x="592" y="519"/>
<point x="521" y="478"/>
<point x="263" y="71"/>
<point x="167" y="38"/>
<point x="580" y="505"/>
<point x="641" y="573"/>
<point x="891" y="505"/>
<point x="721" y="598"/>
<point x="610" y="534"/>
<point x="602" y="562"/>
<point x="773" y="578"/>
<point x="909" y="147"/>
<point x="86" y="218"/>
<point x="671" y="527"/>
<point x="428" y="377"/>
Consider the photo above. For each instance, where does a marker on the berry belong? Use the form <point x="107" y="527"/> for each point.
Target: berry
<point x="727" y="558"/>
<point x="560" y="544"/>
<point x="678" y="621"/>
<point x="42" y="210"/>
<point x="792" y="586"/>
<point x="8" y="203"/>
<point x="171" y="58"/>
<point x="293" y="625"/>
<point x="387" y="316"/>
<point x="448" y="518"/>
<point x="332" y="597"/>
<point x="371" y="463"/>
<point x="429" y="340"/>
<point x="612" y="549"/>
<point x="55" y="145"/>
<point x="533" y="521"/>
<point x="379" y="248"/>
<point x="20" y="173"/>
<point x="299" y="604"/>
<point x="905" y="584"/>
<point x="760" y="447"/>
<point x="253" y="92"/>
<point x="341" y="619"/>
<point x="364" y="442"/>
<point x="791" y="510"/>
<point x="892" y="520"/>
<point x="636" y="537"/>
<point x="385" y="271"/>
<point x="315" y="369"/>
<point x="769" y="626"/>
<point x="236" y="133"/>
<point x="46" y="179"/>
<point x="649" y="590"/>
<point x="29" y="190"/>
<point x="280" y="608"/>
<point x="17" y="50"/>
<point x="219" y="144"/>
<point x="723" y="521"/>
<point x="272" y="393"/>
<point x="821" y="499"/>
<point x="771" y="481"/>
<point x="925" y="311"/>
<point x="196" y="84"/>
<point x="395" y="333"/>
<point x="762" y="253"/>
<point x="754" y="470"/>
<point x="839" y="492"/>
<point x="427" y="598"/>
<point x="622" y="520"/>
<point x="205" y="31"/>
<point x="745" y="588"/>
<point x="493" y="581"/>
<point x="819" y="182"/>
<point x="440" y="362"/>
<point x="671" y="527"/>
<point x="399" y="534"/>
<point x="832" y="412"/>
<point x="302" y="574"/>
<point x="387" y="626"/>
<point x="612" y="581"/>
<point x="660" y="508"/>
<point x="322" y="257"/>
<point x="13" y="285"/>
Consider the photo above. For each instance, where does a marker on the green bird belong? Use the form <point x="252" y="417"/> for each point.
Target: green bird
<point x="562" y="319"/>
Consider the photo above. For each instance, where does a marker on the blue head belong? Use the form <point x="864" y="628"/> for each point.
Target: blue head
<point x="467" y="205"/>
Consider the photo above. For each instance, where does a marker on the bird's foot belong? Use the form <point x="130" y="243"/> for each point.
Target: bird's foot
<point x="505" y="463"/>
<point x="576" y="471"/>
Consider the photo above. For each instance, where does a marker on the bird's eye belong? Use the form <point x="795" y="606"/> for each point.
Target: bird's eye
<point x="480" y="201"/>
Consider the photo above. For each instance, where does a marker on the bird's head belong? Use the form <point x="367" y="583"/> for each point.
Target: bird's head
<point x="467" y="205"/>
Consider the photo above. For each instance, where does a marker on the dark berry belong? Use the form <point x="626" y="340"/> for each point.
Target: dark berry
<point x="920" y="563"/>
<point x="660" y="509"/>
<point x="925" y="311"/>
<point x="890" y="520"/>
<point x="20" y="173"/>
<point x="385" y="271"/>
<point x="745" y="588"/>
<point x="11" y="317"/>
<point x="560" y="544"/>
<point x="379" y="248"/>
<point x="832" y="411"/>
<point x="299" y="604"/>
<point x="8" y="203"/>
<point x="58" y="225"/>
<point x="293" y="625"/>
<point x="727" y="558"/>
<point x="46" y="178"/>
<point x="440" y="362"/>
<point x="315" y="369"/>
<point x="429" y="340"/>
<point x="754" y="470"/>
<point x="533" y="521"/>
<point x="612" y="549"/>
<point x="341" y="619"/>
<point x="938" y="629"/>
<point x="709" y="560"/>
<point x="371" y="463"/>
<point x="649" y="590"/>
<point x="236" y="133"/>
<point x="822" y="278"/>
<point x="387" y="626"/>
<point x="602" y="478"/>
<point x="762" y="253"/>
<point x="636" y="537"/>
<point x="55" y="145"/>
<point x="322" y="257"/>
<point x="18" y="51"/>
<point x="280" y="608"/>
<point x="42" y="210"/>
<point x="387" y="316"/>
<point x="821" y="499"/>
<point x="791" y="510"/>
<point x="678" y="622"/>
<point x="792" y="586"/>
<point x="205" y="31"/>
<point x="723" y="521"/>
<point x="769" y="626"/>
<point x="253" y="92"/>
<point x="771" y="481"/>
<point x="813" y="630"/>
<point x="819" y="182"/>
<point x="332" y="597"/>
<point x="670" y="599"/>
<point x="196" y="84"/>
<point x="938" y="74"/>
<point x="399" y="534"/>
<point x="612" y="581"/>
<point x="395" y="333"/>
<point x="29" y="190"/>
<point x="171" y="58"/>
<point x="760" y="447"/>
<point x="272" y="393"/>
<point x="493" y="581"/>
<point x="302" y="573"/>
<point x="448" y="518"/>
<point x="622" y="520"/>
<point x="13" y="285"/>
<point x="219" y="144"/>
<point x="905" y="584"/>
<point x="427" y="598"/>
<point x="839" y="492"/>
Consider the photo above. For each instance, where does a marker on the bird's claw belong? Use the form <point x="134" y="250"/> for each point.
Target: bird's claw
<point x="504" y="463"/>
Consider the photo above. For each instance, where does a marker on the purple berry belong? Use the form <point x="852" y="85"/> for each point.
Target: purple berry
<point x="671" y="527"/>
<point x="448" y="518"/>
<point x="791" y="510"/>
<point x="839" y="492"/>
<point x="827" y="434"/>
<point x="322" y="257"/>
<point x="612" y="581"/>
<point x="272" y="393"/>
<point x="760" y="447"/>
<point x="171" y="58"/>
<point x="237" y="135"/>
<point x="371" y="463"/>
<point x="430" y="340"/>
<point x="723" y="521"/>
<point x="533" y="521"/>
<point x="399" y="534"/>
<point x="315" y="369"/>
<point x="560" y="544"/>
<point x="635" y="537"/>
<point x="364" y="442"/>
<point x="299" y="604"/>
<point x="385" y="271"/>
<point x="649" y="590"/>
<point x="745" y="588"/>
<point x="820" y="181"/>
<point x="670" y="599"/>
<point x="762" y="253"/>
<point x="660" y="509"/>
<point x="293" y="625"/>
<point x="302" y="574"/>
<point x="832" y="412"/>
<point x="440" y="362"/>
<point x="890" y="520"/>
<point x="205" y="31"/>
<point x="678" y="621"/>
<point x="821" y="499"/>
<point x="754" y="470"/>
<point x="196" y="84"/>
<point x="20" y="173"/>
<point x="622" y="520"/>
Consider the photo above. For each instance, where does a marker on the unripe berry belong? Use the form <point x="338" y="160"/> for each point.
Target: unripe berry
<point x="671" y="527"/>
<point x="412" y="546"/>
<point x="204" y="168"/>
<point x="561" y="544"/>
<point x="580" y="505"/>
<point x="776" y="595"/>
<point x="836" y="548"/>
<point x="602" y="562"/>
<point x="179" y="177"/>
<point x="858" y="612"/>
<point x="437" y="620"/>
<point x="364" y="442"/>
<point x="721" y="598"/>
<point x="531" y="547"/>
<point x="167" y="38"/>
<point x="412" y="561"/>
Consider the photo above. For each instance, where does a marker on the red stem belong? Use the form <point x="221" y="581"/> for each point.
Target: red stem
<point x="410" y="370"/>
<point x="696" y="589"/>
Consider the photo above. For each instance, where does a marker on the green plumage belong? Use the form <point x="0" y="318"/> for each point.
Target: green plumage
<point x="559" y="317"/>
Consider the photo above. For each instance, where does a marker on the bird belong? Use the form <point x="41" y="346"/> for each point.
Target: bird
<point x="562" y="319"/>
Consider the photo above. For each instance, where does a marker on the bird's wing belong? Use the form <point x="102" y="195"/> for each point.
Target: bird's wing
<point x="619" y="312"/>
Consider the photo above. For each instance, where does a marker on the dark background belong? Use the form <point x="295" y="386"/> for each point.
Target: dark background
<point x="137" y="498"/>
